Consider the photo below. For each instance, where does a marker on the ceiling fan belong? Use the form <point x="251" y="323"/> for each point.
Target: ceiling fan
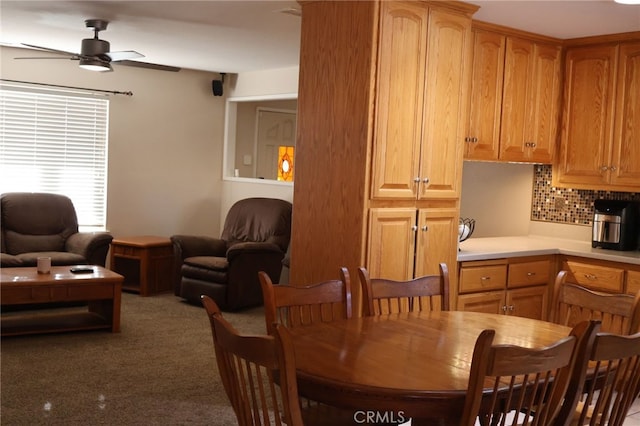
<point x="95" y="55"/>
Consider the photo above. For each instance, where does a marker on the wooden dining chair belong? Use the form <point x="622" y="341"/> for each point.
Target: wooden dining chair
<point x="294" y="306"/>
<point x="619" y="313"/>
<point x="516" y="385"/>
<point x="614" y="362"/>
<point x="383" y="296"/>
<point x="258" y="372"/>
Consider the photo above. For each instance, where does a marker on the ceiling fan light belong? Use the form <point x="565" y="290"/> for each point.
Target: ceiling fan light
<point x="628" y="1"/>
<point x="94" y="65"/>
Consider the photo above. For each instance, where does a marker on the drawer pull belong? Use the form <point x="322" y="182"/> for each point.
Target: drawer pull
<point x="530" y="274"/>
<point x="591" y="277"/>
<point x="485" y="278"/>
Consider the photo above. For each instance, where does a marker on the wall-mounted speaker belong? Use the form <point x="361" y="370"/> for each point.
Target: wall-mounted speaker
<point x="216" y="87"/>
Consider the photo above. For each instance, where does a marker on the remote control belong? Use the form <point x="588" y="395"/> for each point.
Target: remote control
<point x="81" y="270"/>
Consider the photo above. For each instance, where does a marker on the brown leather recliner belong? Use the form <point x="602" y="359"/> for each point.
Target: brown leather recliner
<point x="41" y="224"/>
<point x="255" y="238"/>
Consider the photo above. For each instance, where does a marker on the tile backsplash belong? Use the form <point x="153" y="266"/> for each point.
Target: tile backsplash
<point x="566" y="205"/>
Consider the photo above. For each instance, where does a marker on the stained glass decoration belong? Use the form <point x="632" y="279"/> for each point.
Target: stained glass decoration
<point x="285" y="163"/>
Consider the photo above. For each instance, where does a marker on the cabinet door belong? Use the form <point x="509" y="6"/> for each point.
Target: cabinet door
<point x="446" y="96"/>
<point x="399" y="99"/>
<point x="542" y="126"/>
<point x="626" y="156"/>
<point x="491" y="302"/>
<point x="528" y="302"/>
<point x="515" y="98"/>
<point x="530" y="101"/>
<point x="436" y="241"/>
<point x="391" y="247"/>
<point x="587" y="118"/>
<point x="485" y="104"/>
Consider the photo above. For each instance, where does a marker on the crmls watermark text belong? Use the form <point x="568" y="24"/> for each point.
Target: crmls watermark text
<point x="373" y="417"/>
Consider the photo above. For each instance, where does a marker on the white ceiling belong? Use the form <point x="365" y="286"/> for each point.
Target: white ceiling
<point x="237" y="36"/>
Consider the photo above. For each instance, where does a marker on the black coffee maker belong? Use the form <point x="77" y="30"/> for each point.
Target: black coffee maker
<point x="616" y="225"/>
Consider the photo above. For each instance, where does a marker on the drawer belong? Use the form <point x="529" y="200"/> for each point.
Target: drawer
<point x="633" y="282"/>
<point x="482" y="278"/>
<point x="595" y="277"/>
<point x="529" y="273"/>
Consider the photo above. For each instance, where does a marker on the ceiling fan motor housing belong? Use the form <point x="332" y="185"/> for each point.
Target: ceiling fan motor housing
<point x="94" y="47"/>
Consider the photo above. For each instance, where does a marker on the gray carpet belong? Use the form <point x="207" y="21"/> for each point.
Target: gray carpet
<point x="159" y="370"/>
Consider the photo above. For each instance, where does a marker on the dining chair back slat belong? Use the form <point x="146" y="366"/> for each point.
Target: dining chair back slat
<point x="258" y="372"/>
<point x="619" y="313"/>
<point x="524" y="385"/>
<point x="294" y="306"/>
<point x="384" y="296"/>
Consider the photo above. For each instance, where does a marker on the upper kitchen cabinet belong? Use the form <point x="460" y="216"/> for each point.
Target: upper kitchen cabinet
<point x="515" y="96"/>
<point x="599" y="147"/>
<point x="530" y="101"/>
<point x="423" y="73"/>
<point x="485" y="105"/>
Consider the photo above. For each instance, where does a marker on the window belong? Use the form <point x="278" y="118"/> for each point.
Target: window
<point x="56" y="142"/>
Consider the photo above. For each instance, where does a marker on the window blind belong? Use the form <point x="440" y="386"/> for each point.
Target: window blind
<point x="57" y="143"/>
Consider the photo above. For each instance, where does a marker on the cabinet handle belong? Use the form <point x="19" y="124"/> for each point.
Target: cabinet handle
<point x="425" y="228"/>
<point x="530" y="274"/>
<point x="511" y="308"/>
<point x="591" y="277"/>
<point x="414" y="228"/>
<point x="604" y="168"/>
<point x="504" y="308"/>
<point x="474" y="140"/>
<point x="485" y="278"/>
<point x="416" y="179"/>
<point x="425" y="180"/>
<point x="612" y="168"/>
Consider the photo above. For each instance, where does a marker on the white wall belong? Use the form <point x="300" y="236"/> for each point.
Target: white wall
<point x="165" y="143"/>
<point x="498" y="197"/>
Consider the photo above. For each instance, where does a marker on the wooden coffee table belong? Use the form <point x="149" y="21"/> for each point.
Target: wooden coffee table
<point x="101" y="288"/>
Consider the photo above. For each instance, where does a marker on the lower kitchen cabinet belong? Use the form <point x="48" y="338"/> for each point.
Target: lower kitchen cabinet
<point x="412" y="242"/>
<point x="515" y="286"/>
<point x="601" y="275"/>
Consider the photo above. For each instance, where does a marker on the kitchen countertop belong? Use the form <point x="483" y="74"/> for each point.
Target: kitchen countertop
<point x="502" y="247"/>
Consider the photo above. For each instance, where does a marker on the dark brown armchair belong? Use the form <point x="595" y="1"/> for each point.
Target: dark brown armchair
<point x="255" y="238"/>
<point x="42" y="224"/>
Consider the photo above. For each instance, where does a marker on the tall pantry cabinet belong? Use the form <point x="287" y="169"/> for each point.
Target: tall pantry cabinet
<point x="381" y="116"/>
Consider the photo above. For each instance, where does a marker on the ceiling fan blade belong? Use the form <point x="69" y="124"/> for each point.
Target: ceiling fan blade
<point x="148" y="65"/>
<point x="48" y="49"/>
<point x="124" y="55"/>
<point x="72" y="58"/>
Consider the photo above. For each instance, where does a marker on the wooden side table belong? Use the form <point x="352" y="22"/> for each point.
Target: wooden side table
<point x="146" y="262"/>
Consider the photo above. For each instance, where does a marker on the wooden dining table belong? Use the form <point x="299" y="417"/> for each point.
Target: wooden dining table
<point x="400" y="366"/>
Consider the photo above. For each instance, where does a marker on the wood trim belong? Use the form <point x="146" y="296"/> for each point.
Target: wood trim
<point x="514" y="32"/>
<point x="601" y="39"/>
<point x="457" y="6"/>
